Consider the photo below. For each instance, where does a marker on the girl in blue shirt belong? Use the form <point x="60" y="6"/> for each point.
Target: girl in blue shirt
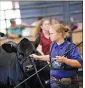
<point x="70" y="61"/>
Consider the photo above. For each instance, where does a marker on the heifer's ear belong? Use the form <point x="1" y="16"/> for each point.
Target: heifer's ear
<point x="10" y="47"/>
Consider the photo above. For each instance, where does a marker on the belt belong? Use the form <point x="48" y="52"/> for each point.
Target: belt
<point x="64" y="81"/>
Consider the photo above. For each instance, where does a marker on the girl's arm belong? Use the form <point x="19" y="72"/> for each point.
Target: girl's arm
<point x="43" y="57"/>
<point x="39" y="49"/>
<point x="71" y="62"/>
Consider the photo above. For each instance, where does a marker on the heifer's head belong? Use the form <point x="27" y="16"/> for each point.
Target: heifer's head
<point x="22" y="50"/>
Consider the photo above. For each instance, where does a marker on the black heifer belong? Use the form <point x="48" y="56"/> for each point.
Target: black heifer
<point x="12" y="70"/>
<point x="17" y="66"/>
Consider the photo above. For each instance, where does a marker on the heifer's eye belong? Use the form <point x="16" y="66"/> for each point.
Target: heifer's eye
<point x="20" y="56"/>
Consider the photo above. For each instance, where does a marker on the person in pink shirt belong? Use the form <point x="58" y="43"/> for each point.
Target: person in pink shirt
<point x="42" y="30"/>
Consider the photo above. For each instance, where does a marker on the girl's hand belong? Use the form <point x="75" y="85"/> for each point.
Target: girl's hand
<point x="61" y="59"/>
<point x="34" y="56"/>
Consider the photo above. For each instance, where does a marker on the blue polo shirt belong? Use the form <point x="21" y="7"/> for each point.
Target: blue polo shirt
<point x="59" y="50"/>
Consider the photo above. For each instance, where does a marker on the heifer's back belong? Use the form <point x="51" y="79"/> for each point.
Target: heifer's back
<point x="7" y="62"/>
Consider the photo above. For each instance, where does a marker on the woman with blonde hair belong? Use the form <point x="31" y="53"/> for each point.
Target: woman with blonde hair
<point x="64" y="70"/>
<point x="41" y="35"/>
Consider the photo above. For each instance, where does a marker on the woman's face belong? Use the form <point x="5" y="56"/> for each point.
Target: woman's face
<point x="45" y="26"/>
<point x="54" y="36"/>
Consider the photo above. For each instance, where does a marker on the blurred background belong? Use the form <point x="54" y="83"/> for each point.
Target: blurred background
<point x="67" y="12"/>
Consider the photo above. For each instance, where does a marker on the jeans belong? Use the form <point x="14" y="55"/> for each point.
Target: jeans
<point x="54" y="84"/>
